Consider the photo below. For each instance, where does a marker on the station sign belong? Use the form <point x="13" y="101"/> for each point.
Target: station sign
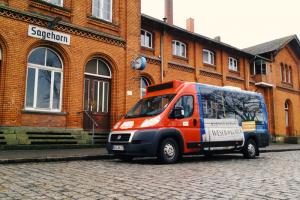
<point x="49" y="35"/>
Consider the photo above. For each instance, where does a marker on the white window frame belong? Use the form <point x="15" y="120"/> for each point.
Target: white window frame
<point x="211" y="57"/>
<point x="97" y="75"/>
<point x="233" y="64"/>
<point x="143" y="42"/>
<point x="37" y="68"/>
<point x="104" y="107"/>
<point x="179" y="48"/>
<point x="61" y="4"/>
<point x="141" y="84"/>
<point x="100" y="15"/>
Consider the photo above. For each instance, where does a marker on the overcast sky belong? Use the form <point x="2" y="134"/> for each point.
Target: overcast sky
<point x="241" y="23"/>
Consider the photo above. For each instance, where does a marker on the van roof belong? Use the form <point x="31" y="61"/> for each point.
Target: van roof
<point x="173" y="87"/>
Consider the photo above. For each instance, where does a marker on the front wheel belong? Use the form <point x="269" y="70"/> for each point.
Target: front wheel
<point x="168" y="151"/>
<point x="250" y="149"/>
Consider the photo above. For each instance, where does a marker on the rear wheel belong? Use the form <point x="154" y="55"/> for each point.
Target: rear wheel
<point x="168" y="151"/>
<point x="250" y="149"/>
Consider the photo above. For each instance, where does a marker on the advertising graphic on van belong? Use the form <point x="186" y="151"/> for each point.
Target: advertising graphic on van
<point x="177" y="118"/>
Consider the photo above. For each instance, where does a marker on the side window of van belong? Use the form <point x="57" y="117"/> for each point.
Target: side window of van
<point x="187" y="102"/>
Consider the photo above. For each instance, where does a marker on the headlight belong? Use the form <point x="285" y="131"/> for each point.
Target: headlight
<point x="150" y="122"/>
<point x="117" y="125"/>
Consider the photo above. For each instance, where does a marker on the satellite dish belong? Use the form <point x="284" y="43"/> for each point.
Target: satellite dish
<point x="139" y="63"/>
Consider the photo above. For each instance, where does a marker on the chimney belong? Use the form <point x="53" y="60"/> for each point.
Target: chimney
<point x="169" y="11"/>
<point x="218" y="38"/>
<point x="190" y="25"/>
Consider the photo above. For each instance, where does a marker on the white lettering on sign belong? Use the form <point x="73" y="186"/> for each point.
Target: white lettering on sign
<point x="49" y="35"/>
<point x="217" y="130"/>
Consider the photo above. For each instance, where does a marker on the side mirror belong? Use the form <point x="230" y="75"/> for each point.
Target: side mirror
<point x="178" y="112"/>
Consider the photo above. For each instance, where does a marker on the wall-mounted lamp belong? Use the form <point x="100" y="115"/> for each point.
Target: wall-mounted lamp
<point x="54" y="22"/>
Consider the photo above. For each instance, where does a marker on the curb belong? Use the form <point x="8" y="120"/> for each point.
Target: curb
<point x="56" y="159"/>
<point x="98" y="157"/>
<point x="277" y="150"/>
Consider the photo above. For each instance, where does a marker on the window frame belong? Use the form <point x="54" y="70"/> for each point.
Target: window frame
<point x="179" y="98"/>
<point x="51" y="2"/>
<point x="97" y="68"/>
<point x="235" y="66"/>
<point x="101" y="16"/>
<point x="143" y="43"/>
<point x="180" y="46"/>
<point x="148" y="83"/>
<point x="53" y="70"/>
<point x="211" y="57"/>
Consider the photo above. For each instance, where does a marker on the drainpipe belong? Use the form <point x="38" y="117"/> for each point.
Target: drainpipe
<point x="162" y="62"/>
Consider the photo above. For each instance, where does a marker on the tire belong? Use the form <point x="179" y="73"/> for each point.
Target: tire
<point x="168" y="151"/>
<point x="250" y="150"/>
<point x="126" y="158"/>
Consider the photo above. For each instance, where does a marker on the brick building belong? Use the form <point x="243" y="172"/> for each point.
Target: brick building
<point x="66" y="66"/>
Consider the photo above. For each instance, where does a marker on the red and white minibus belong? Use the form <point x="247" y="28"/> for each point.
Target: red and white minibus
<point x="177" y="118"/>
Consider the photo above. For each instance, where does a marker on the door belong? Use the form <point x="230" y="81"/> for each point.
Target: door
<point x="287" y="112"/>
<point x="97" y="95"/>
<point x="189" y="125"/>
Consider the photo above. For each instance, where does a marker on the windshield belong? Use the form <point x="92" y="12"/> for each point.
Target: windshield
<point x="150" y="106"/>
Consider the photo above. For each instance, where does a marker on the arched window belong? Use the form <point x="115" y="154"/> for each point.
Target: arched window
<point x="143" y="86"/>
<point x="282" y="72"/>
<point x="44" y="80"/>
<point x="97" y="67"/>
<point x="0" y="54"/>
<point x="289" y="74"/>
<point x="97" y="86"/>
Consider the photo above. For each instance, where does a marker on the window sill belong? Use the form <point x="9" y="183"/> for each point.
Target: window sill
<point x="44" y="112"/>
<point x="51" y="7"/>
<point x="210" y="66"/>
<point x="181" y="58"/>
<point x="286" y="84"/>
<point x="102" y="23"/>
<point x="234" y="72"/>
<point x="147" y="48"/>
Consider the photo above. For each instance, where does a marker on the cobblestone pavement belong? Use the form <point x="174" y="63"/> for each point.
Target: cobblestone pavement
<point x="271" y="176"/>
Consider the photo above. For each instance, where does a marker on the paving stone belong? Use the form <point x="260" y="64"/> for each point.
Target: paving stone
<point x="271" y="176"/>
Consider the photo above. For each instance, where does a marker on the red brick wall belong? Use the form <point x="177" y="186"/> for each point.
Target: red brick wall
<point x="13" y="32"/>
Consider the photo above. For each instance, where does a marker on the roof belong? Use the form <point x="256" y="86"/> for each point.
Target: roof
<point x="195" y="35"/>
<point x="271" y="46"/>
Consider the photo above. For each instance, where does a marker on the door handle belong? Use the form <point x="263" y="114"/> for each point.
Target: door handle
<point x="195" y="122"/>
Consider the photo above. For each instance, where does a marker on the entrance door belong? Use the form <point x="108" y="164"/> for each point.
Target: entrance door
<point x="97" y="95"/>
<point x="287" y="111"/>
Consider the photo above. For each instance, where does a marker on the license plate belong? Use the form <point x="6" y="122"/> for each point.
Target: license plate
<point x="118" y="147"/>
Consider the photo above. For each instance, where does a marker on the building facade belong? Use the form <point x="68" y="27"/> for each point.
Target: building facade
<point x="65" y="68"/>
<point x="60" y="58"/>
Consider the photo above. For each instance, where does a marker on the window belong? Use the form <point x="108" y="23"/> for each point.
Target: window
<point x="143" y="87"/>
<point x="233" y="64"/>
<point x="44" y="80"/>
<point x="55" y="2"/>
<point x="146" y="39"/>
<point x="187" y="103"/>
<point x="218" y="104"/>
<point x="208" y="57"/>
<point x="289" y="78"/>
<point x="179" y="48"/>
<point x="286" y="73"/>
<point x="102" y="9"/>
<point x="259" y="67"/>
<point x="96" y="86"/>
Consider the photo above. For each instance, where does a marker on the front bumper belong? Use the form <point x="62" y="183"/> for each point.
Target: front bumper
<point x="141" y="144"/>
